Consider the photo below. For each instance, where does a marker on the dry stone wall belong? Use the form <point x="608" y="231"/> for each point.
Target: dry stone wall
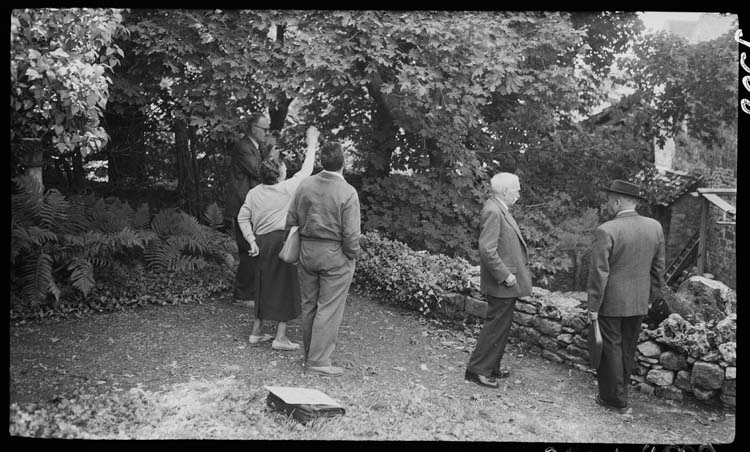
<point x="675" y="361"/>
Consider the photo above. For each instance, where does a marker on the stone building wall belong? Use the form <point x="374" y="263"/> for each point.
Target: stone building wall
<point x="685" y="220"/>
<point x="722" y="244"/>
<point x="556" y="325"/>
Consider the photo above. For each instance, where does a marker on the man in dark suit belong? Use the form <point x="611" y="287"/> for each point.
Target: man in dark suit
<point x="626" y="275"/>
<point x="504" y="276"/>
<point x="243" y="174"/>
<point x="326" y="209"/>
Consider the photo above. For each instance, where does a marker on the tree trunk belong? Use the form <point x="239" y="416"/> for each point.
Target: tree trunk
<point x="277" y="112"/>
<point x="33" y="160"/>
<point x="378" y="164"/>
<point x="78" y="178"/>
<point x="187" y="182"/>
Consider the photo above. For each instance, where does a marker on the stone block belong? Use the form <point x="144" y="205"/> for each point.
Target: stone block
<point x="660" y="377"/>
<point x="550" y="312"/>
<point x="565" y="338"/>
<point x="637" y="379"/>
<point x="580" y="341"/>
<point x="567" y="329"/>
<point x="672" y="360"/>
<point x="704" y="395"/>
<point x="649" y="349"/>
<point x="476" y="308"/>
<point x="682" y="381"/>
<point x="649" y="361"/>
<point x="728" y="401"/>
<point x="538" y="292"/>
<point x="711" y="357"/>
<point x="728" y="352"/>
<point x="525" y="307"/>
<point x="639" y="369"/>
<point x="577" y="351"/>
<point x="551" y="356"/>
<point x="575" y="321"/>
<point x="730" y="373"/>
<point x="522" y="318"/>
<point x="548" y="343"/>
<point x="729" y="388"/>
<point x="646" y="388"/>
<point x="451" y="303"/>
<point x="690" y="360"/>
<point x="669" y="392"/>
<point x="547" y="326"/>
<point x="572" y="358"/>
<point x="707" y="375"/>
<point x="528" y="335"/>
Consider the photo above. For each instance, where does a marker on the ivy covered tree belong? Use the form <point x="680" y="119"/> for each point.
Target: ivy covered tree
<point x="60" y="61"/>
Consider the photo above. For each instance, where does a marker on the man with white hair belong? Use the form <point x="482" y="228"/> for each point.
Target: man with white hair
<point x="504" y="276"/>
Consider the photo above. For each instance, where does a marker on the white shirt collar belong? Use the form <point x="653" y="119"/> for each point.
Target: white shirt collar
<point x="502" y="202"/>
<point x="333" y="172"/>
<point x="626" y="210"/>
<point x="254" y="141"/>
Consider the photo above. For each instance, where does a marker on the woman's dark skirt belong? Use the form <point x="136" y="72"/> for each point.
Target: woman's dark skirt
<point x="276" y="284"/>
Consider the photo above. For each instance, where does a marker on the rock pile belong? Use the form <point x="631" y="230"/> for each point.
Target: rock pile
<point x="677" y="359"/>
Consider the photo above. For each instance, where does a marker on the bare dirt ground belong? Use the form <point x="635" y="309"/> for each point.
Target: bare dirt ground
<point x="188" y="372"/>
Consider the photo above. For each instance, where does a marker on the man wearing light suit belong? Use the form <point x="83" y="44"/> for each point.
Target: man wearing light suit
<point x="626" y="275"/>
<point x="326" y="209"/>
<point x="504" y="276"/>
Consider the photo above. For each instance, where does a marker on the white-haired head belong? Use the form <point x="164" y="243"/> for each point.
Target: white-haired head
<point x="507" y="187"/>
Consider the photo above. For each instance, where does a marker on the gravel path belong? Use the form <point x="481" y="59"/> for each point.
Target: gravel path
<point x="403" y="381"/>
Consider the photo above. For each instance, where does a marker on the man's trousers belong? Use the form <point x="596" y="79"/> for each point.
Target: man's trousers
<point x="494" y="335"/>
<point x="619" y="340"/>
<point x="324" y="279"/>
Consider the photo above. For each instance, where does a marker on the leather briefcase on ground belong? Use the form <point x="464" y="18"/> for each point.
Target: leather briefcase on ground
<point x="303" y="412"/>
<point x="595" y="344"/>
<point x="290" y="251"/>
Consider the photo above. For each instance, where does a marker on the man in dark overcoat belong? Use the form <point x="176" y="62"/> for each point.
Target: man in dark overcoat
<point x="626" y="276"/>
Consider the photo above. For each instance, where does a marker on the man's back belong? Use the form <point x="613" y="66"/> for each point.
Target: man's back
<point x="326" y="207"/>
<point x="627" y="265"/>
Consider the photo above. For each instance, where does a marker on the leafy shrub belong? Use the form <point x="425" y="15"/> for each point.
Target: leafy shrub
<point x="437" y="217"/>
<point x="58" y="242"/>
<point x="407" y="278"/>
<point x="121" y="286"/>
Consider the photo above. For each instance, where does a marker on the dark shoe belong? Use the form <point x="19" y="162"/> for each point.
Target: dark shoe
<point x="501" y="373"/>
<point x="619" y="409"/>
<point x="481" y="380"/>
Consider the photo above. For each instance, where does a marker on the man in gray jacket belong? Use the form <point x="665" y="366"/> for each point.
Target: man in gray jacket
<point x="504" y="276"/>
<point x="326" y="209"/>
<point x="626" y="275"/>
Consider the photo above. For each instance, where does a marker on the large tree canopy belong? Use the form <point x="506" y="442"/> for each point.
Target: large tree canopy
<point x="59" y="65"/>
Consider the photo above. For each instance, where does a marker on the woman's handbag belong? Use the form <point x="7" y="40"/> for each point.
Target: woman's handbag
<point x="595" y="344"/>
<point x="290" y="251"/>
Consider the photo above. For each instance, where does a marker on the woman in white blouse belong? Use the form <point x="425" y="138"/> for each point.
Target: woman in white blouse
<point x="262" y="219"/>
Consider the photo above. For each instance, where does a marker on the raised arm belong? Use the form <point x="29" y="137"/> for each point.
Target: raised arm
<point x="312" y="147"/>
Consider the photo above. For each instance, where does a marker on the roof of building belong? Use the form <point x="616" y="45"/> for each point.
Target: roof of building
<point x="664" y="187"/>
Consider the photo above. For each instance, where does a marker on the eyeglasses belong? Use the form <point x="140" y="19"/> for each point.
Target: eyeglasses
<point x="260" y="127"/>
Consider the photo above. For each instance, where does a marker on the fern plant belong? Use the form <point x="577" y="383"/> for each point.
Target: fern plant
<point x="182" y="243"/>
<point x="57" y="241"/>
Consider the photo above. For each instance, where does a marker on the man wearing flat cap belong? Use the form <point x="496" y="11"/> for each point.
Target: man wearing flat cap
<point x="626" y="275"/>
